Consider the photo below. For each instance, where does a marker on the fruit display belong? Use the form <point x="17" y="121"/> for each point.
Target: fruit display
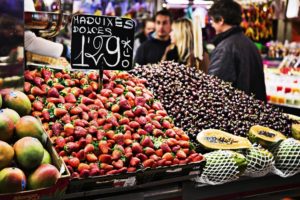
<point x="222" y="166"/>
<point x="22" y="156"/>
<point x="120" y="129"/>
<point x="216" y="139"/>
<point x="264" y="136"/>
<point x="17" y="101"/>
<point x="198" y="101"/>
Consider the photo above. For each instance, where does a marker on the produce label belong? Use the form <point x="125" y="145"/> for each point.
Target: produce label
<point x="102" y="42"/>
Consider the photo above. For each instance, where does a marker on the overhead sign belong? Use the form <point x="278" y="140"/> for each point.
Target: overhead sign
<point x="102" y="42"/>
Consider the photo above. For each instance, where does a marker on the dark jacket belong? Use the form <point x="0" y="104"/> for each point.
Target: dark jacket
<point x="151" y="51"/>
<point x="236" y="59"/>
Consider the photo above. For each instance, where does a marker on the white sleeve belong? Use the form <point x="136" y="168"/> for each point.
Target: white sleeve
<point x="42" y="46"/>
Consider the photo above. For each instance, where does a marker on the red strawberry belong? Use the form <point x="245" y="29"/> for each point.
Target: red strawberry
<point x="157" y="106"/>
<point x="46" y="73"/>
<point x="54" y="100"/>
<point x="149" y="151"/>
<point x="36" y="113"/>
<point x="28" y="75"/>
<point x="139" y="110"/>
<point x="156" y="124"/>
<point x="102" y="113"/>
<point x="76" y="110"/>
<point x="93" y="76"/>
<point x="66" y="76"/>
<point x="58" y="112"/>
<point x="115" y="108"/>
<point x="89" y="148"/>
<point x="107" y="126"/>
<point x="94" y="85"/>
<point x="38" y="105"/>
<point x="157" y="132"/>
<point x="70" y="98"/>
<point x="137" y="148"/>
<point x="69" y="129"/>
<point x="92" y="130"/>
<point x="71" y="147"/>
<point x="148" y="163"/>
<point x="181" y="155"/>
<point x="119" y="138"/>
<point x="58" y="86"/>
<point x="105" y="158"/>
<point x="165" y="147"/>
<point x="53" y="92"/>
<point x="69" y="139"/>
<point x="141" y="120"/>
<point x="105" y="92"/>
<point x="76" y="91"/>
<point x="155" y="157"/>
<point x="162" y="113"/>
<point x="148" y="127"/>
<point x="159" y="152"/>
<point x="184" y="144"/>
<point x="116" y="154"/>
<point x="89" y="139"/>
<point x="168" y="156"/>
<point x="147" y="142"/>
<point x="27" y="87"/>
<point x="172" y="142"/>
<point x="91" y="157"/>
<point x="166" y="124"/>
<point x="118" y="91"/>
<point x="134" y="161"/>
<point x="38" y="81"/>
<point x="141" y="156"/>
<point x="85" y="116"/>
<point x="131" y="169"/>
<point x="106" y="166"/>
<point x="103" y="146"/>
<point x="141" y="132"/>
<point x="99" y="103"/>
<point x="136" y="136"/>
<point x="175" y="148"/>
<point x="74" y="162"/>
<point x="60" y="142"/>
<point x="36" y="91"/>
<point x="128" y="113"/>
<point x="101" y="121"/>
<point x="93" y="107"/>
<point x="124" y="120"/>
<point x="80" y="132"/>
<point x="86" y="100"/>
<point x="118" y="164"/>
<point x="124" y="104"/>
<point x="56" y="128"/>
<point x="134" y="124"/>
<point x="92" y="95"/>
<point x="87" y="89"/>
<point x="170" y="133"/>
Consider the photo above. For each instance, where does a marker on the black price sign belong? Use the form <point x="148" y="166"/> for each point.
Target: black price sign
<point x="102" y="42"/>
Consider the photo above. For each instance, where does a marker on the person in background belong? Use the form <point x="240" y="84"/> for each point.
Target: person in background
<point x="235" y="58"/>
<point x="153" y="49"/>
<point x="142" y="36"/>
<point x="183" y="45"/>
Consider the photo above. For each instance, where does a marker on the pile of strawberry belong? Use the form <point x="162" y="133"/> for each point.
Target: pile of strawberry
<point x="121" y="129"/>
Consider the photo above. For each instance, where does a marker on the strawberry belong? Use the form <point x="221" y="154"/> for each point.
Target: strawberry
<point x="92" y="75"/>
<point x="124" y="104"/>
<point x="87" y="89"/>
<point x="58" y="86"/>
<point x="141" y="120"/>
<point x="166" y="124"/>
<point x="165" y="147"/>
<point x="102" y="113"/>
<point x="131" y="169"/>
<point x="118" y="164"/>
<point x="36" y="91"/>
<point x="46" y="73"/>
<point x="118" y="91"/>
<point x="69" y="129"/>
<point x="60" y="142"/>
<point x="28" y="75"/>
<point x="38" y="81"/>
<point x="68" y="82"/>
<point x="157" y="132"/>
<point x="105" y="158"/>
<point x="162" y="113"/>
<point x="107" y="126"/>
<point x="69" y="138"/>
<point x="128" y="113"/>
<point x="105" y="92"/>
<point x="139" y="110"/>
<point x="80" y="132"/>
<point x="36" y="113"/>
<point x="99" y="103"/>
<point x="101" y="121"/>
<point x="76" y="91"/>
<point x="100" y="134"/>
<point x="184" y="144"/>
<point x="106" y="166"/>
<point x="38" y="105"/>
<point x="31" y="97"/>
<point x="134" y="124"/>
<point x="94" y="85"/>
<point x="172" y="142"/>
<point x="141" y="132"/>
<point x="70" y="98"/>
<point x="147" y="142"/>
<point x="92" y="95"/>
<point x="140" y="101"/>
<point x="149" y="127"/>
<point x="185" y="137"/>
<point x="103" y="146"/>
<point x="148" y="163"/>
<point x="85" y="116"/>
<point x="74" y="162"/>
<point x="124" y="120"/>
<point x="56" y="128"/>
<point x="91" y="157"/>
<point x="127" y="134"/>
<point x="76" y="110"/>
<point x="53" y="92"/>
<point x="92" y="129"/>
<point x="197" y="158"/>
<point x="149" y="151"/>
<point x="85" y="100"/>
<point x="27" y="87"/>
<point x="54" y="100"/>
<point x="155" y="157"/>
<point x="181" y="155"/>
<point x="141" y="156"/>
<point x="83" y="166"/>
<point x="156" y="124"/>
<point x="170" y="133"/>
<point x="175" y="148"/>
<point x="134" y="161"/>
<point x="115" y="108"/>
<point x="93" y="107"/>
<point x="119" y="138"/>
<point x="159" y="152"/>
<point x="137" y="148"/>
<point x="58" y="75"/>
<point x="168" y="156"/>
<point x="136" y="136"/>
<point x="89" y="139"/>
<point x="157" y="106"/>
<point x="58" y="112"/>
<point x="89" y="148"/>
<point x="129" y="95"/>
<point x="158" y="118"/>
<point x="71" y="147"/>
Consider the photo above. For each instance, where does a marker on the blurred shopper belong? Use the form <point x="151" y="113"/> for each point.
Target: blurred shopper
<point x="153" y="49"/>
<point x="184" y="47"/>
<point x="235" y="58"/>
<point x="142" y="36"/>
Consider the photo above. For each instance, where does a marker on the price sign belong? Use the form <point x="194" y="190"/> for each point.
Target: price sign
<point x="102" y="42"/>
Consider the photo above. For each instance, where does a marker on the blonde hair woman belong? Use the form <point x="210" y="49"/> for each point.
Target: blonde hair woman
<point x="185" y="48"/>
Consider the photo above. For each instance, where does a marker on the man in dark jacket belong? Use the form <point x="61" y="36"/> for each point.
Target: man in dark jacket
<point x="235" y="58"/>
<point x="153" y="49"/>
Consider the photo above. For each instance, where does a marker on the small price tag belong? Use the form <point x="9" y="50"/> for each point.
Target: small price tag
<point x="129" y="182"/>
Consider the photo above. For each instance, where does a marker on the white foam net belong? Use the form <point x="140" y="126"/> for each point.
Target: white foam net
<point x="220" y="168"/>
<point x="260" y="162"/>
<point x="287" y="158"/>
